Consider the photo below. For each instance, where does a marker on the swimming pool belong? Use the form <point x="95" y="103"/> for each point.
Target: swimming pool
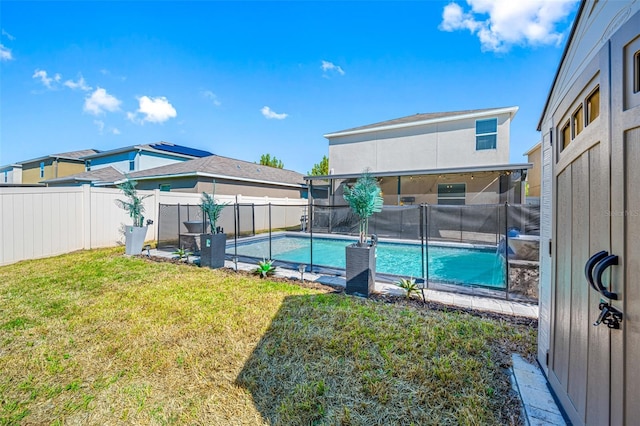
<point x="447" y="264"/>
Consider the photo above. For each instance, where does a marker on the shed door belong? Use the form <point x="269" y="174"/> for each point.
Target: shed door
<point x="594" y="369"/>
<point x="625" y="220"/>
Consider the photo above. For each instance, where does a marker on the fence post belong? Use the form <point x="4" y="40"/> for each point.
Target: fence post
<point x="422" y="249"/>
<point x="253" y="218"/>
<point x="426" y="246"/>
<point x="270" y="256"/>
<point x="86" y="217"/>
<point x="506" y="245"/>
<point x="156" y="216"/>
<point x="236" y="229"/>
<point x="310" y="235"/>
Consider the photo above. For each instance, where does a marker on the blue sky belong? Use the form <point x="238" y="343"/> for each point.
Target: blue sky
<point x="241" y="79"/>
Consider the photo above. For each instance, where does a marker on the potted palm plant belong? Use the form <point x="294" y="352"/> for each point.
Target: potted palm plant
<point x="136" y="233"/>
<point x="212" y="245"/>
<point x="364" y="198"/>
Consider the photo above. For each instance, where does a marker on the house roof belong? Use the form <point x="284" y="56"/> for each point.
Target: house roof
<point x="71" y="155"/>
<point x="105" y="174"/>
<point x="158" y="147"/>
<point x="421" y="119"/>
<point x="533" y="148"/>
<point x="440" y="171"/>
<point x="216" y="166"/>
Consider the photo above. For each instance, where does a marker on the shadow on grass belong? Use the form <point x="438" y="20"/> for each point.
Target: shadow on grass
<point x="333" y="359"/>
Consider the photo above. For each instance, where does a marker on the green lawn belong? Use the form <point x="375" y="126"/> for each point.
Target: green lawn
<point x="98" y="338"/>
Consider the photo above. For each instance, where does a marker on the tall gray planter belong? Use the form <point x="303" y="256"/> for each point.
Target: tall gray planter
<point x="212" y="250"/>
<point x="134" y="239"/>
<point x="361" y="269"/>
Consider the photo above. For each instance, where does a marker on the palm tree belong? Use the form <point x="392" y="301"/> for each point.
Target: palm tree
<point x="365" y="199"/>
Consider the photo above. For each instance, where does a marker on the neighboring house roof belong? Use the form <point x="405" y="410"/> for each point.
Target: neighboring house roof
<point x="71" y="155"/>
<point x="159" y="147"/>
<point x="533" y="148"/>
<point x="422" y="119"/>
<point x="216" y="166"/>
<point x="443" y="171"/>
<point x="105" y="174"/>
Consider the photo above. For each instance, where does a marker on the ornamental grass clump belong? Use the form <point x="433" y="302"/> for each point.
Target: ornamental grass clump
<point x="365" y="199"/>
<point x="410" y="286"/>
<point x="133" y="205"/>
<point x="265" y="269"/>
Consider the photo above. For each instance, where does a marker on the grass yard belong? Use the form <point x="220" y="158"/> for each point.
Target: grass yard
<point x="97" y="338"/>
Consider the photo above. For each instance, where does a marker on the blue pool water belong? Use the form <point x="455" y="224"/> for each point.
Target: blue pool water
<point x="468" y="266"/>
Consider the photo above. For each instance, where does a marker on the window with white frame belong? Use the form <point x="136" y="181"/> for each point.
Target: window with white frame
<point x="486" y="134"/>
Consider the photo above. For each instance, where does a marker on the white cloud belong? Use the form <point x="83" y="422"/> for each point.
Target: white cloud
<point x="115" y="131"/>
<point x="7" y="35"/>
<point x="47" y="81"/>
<point x="328" y="67"/>
<point x="499" y="24"/>
<point x="5" y="53"/>
<point x="100" y="101"/>
<point x="268" y="113"/>
<point x="208" y="94"/>
<point x="80" y="84"/>
<point x="155" y="110"/>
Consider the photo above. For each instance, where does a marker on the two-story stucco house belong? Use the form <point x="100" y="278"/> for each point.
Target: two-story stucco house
<point x="112" y="165"/>
<point x="46" y="167"/>
<point x="456" y="157"/>
<point x="135" y="158"/>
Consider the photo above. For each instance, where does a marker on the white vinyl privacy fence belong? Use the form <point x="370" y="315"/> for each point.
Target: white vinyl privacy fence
<point x="41" y="222"/>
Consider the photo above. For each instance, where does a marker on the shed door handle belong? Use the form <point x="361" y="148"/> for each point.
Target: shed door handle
<point x="591" y="263"/>
<point x="599" y="270"/>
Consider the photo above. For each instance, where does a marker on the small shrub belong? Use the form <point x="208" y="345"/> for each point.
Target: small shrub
<point x="409" y="286"/>
<point x="265" y="268"/>
<point x="181" y="253"/>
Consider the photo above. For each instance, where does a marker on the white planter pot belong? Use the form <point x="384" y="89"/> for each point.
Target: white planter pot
<point x="134" y="239"/>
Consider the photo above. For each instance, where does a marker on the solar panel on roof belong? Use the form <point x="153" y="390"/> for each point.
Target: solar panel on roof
<point x="179" y="149"/>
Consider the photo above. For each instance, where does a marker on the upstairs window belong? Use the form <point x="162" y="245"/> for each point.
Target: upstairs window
<point x="6" y="176"/>
<point x="486" y="134"/>
<point x="578" y="121"/>
<point x="593" y="106"/>
<point x="165" y="187"/>
<point x="42" y="169"/>
<point x="566" y="135"/>
<point x="132" y="161"/>
<point x="88" y="165"/>
<point x="636" y="72"/>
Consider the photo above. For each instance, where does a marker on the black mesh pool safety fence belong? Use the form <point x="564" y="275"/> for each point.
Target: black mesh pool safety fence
<point x="479" y="249"/>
